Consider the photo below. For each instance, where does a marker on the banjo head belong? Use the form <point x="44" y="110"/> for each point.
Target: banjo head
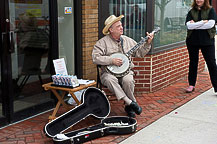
<point x="118" y="70"/>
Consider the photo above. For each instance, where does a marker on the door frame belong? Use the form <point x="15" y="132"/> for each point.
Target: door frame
<point x="78" y="38"/>
<point x="6" y="75"/>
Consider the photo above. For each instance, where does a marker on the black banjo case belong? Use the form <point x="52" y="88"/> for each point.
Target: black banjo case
<point x="94" y="103"/>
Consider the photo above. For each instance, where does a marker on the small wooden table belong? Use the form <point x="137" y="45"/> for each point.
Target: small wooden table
<point x="64" y="90"/>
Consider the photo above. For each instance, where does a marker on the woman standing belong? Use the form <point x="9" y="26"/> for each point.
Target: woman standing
<point x="201" y="32"/>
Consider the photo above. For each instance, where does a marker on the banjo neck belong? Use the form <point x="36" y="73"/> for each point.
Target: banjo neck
<point x="132" y="50"/>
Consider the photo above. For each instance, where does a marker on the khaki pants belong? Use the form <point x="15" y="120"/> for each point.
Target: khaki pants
<point x="121" y="87"/>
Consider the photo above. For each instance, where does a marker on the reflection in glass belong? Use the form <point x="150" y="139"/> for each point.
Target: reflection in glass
<point x="134" y="21"/>
<point x="30" y="62"/>
<point x="170" y="16"/>
<point x="33" y="44"/>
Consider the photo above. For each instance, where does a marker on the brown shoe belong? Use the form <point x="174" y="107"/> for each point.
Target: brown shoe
<point x="190" y="89"/>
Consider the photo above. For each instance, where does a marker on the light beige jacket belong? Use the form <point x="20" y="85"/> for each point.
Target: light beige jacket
<point x="107" y="46"/>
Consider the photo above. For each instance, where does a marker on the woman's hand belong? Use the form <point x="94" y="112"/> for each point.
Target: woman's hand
<point x="205" y="21"/>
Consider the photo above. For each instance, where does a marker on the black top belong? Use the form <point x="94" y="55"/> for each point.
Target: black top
<point x="200" y="37"/>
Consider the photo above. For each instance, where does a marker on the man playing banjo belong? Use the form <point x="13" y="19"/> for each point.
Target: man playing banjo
<point x="122" y="84"/>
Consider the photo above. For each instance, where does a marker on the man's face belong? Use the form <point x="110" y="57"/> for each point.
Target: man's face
<point x="200" y="3"/>
<point x="116" y="28"/>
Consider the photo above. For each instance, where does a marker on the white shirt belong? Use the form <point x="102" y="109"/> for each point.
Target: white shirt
<point x="200" y="25"/>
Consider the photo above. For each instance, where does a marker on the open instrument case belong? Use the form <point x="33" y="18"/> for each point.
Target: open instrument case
<point x="94" y="103"/>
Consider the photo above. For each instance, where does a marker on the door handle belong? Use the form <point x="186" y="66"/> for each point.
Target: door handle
<point x="4" y="40"/>
<point x="11" y="40"/>
<point x="3" y="36"/>
<point x="11" y="49"/>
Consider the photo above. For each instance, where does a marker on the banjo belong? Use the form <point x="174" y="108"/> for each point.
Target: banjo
<point x="120" y="71"/>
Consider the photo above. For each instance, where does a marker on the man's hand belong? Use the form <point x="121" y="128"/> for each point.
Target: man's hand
<point x="150" y="37"/>
<point x="117" y="61"/>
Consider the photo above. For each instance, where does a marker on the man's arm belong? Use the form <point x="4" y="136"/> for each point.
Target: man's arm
<point x="145" y="48"/>
<point x="98" y="55"/>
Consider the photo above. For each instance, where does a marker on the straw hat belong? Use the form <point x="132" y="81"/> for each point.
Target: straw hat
<point x="110" y="21"/>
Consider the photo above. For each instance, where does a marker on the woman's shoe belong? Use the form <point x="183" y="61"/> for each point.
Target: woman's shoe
<point x="190" y="89"/>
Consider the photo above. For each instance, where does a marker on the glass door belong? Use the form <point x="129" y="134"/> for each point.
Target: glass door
<point x="30" y="63"/>
<point x="28" y="46"/>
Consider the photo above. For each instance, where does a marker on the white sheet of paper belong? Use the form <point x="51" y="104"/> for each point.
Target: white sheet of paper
<point x="60" y="66"/>
<point x="82" y="81"/>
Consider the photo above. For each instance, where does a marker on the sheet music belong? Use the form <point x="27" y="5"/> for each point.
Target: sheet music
<point x="60" y="66"/>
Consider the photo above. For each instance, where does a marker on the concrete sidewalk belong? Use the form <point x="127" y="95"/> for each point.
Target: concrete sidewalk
<point x="193" y="123"/>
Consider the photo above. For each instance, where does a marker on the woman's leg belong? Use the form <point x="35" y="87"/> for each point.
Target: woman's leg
<point x="209" y="56"/>
<point x="193" y="52"/>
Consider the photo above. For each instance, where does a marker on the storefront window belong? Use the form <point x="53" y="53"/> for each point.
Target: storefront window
<point x="134" y="21"/>
<point x="170" y="15"/>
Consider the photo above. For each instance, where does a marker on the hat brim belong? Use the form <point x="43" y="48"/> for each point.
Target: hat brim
<point x="105" y="29"/>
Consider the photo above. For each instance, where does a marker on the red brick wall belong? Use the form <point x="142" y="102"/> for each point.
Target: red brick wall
<point x="157" y="71"/>
<point x="89" y="36"/>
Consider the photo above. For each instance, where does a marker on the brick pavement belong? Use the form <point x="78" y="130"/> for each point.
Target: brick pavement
<point x="155" y="105"/>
